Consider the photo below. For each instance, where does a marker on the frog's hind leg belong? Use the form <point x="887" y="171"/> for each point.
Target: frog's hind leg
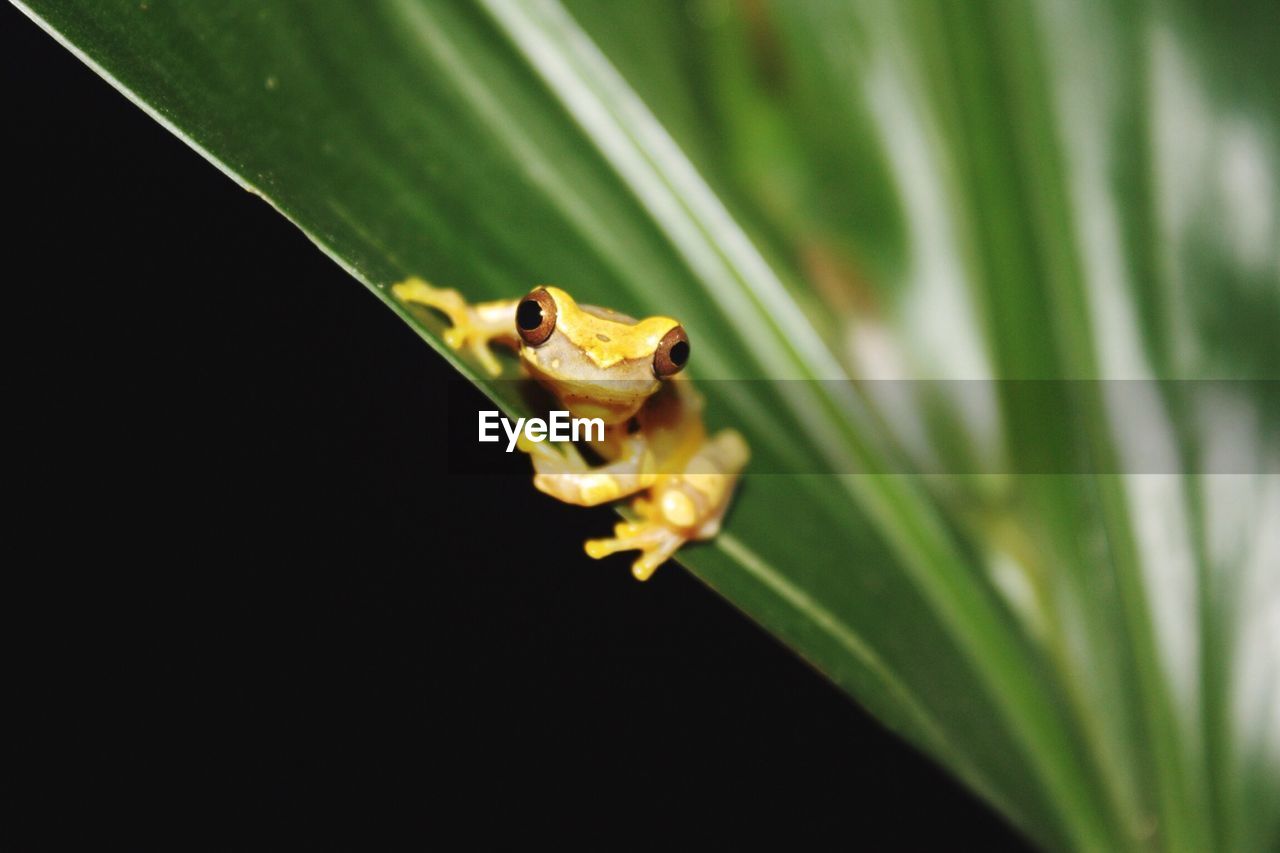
<point x="687" y="506"/>
<point x="473" y="327"/>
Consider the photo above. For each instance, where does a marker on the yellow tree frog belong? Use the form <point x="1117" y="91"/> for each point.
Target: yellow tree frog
<point x="602" y="364"/>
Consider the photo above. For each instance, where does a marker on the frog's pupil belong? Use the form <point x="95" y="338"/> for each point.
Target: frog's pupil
<point x="529" y="315"/>
<point x="679" y="353"/>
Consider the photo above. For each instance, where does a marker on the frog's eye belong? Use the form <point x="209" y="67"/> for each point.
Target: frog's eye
<point x="672" y="353"/>
<point x="536" y="317"/>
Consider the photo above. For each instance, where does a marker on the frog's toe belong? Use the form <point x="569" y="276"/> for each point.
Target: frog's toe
<point x="656" y="543"/>
<point x="480" y="349"/>
<point x="649" y="561"/>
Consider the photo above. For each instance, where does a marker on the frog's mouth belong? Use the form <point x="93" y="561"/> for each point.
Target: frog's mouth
<point x="596" y="408"/>
<point x="613" y="401"/>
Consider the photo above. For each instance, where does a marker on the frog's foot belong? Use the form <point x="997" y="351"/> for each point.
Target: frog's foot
<point x="656" y="541"/>
<point x="472" y="328"/>
<point x="685" y="507"/>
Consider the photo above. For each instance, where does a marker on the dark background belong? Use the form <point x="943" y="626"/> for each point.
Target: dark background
<point x="255" y="608"/>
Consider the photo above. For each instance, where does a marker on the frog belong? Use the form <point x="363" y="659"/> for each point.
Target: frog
<point x="655" y="450"/>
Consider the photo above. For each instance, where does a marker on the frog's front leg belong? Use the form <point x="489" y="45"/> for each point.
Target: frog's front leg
<point x="473" y="327"/>
<point x="683" y="507"/>
<point x="566" y="476"/>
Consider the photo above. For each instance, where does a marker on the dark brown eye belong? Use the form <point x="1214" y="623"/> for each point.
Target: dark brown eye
<point x="536" y="317"/>
<point x="672" y="353"/>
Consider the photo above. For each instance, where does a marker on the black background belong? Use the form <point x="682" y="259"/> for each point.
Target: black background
<point x="260" y="611"/>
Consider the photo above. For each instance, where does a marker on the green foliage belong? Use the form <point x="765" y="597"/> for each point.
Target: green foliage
<point x="822" y="190"/>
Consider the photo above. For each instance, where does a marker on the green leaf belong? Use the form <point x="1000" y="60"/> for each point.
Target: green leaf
<point x="822" y="190"/>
